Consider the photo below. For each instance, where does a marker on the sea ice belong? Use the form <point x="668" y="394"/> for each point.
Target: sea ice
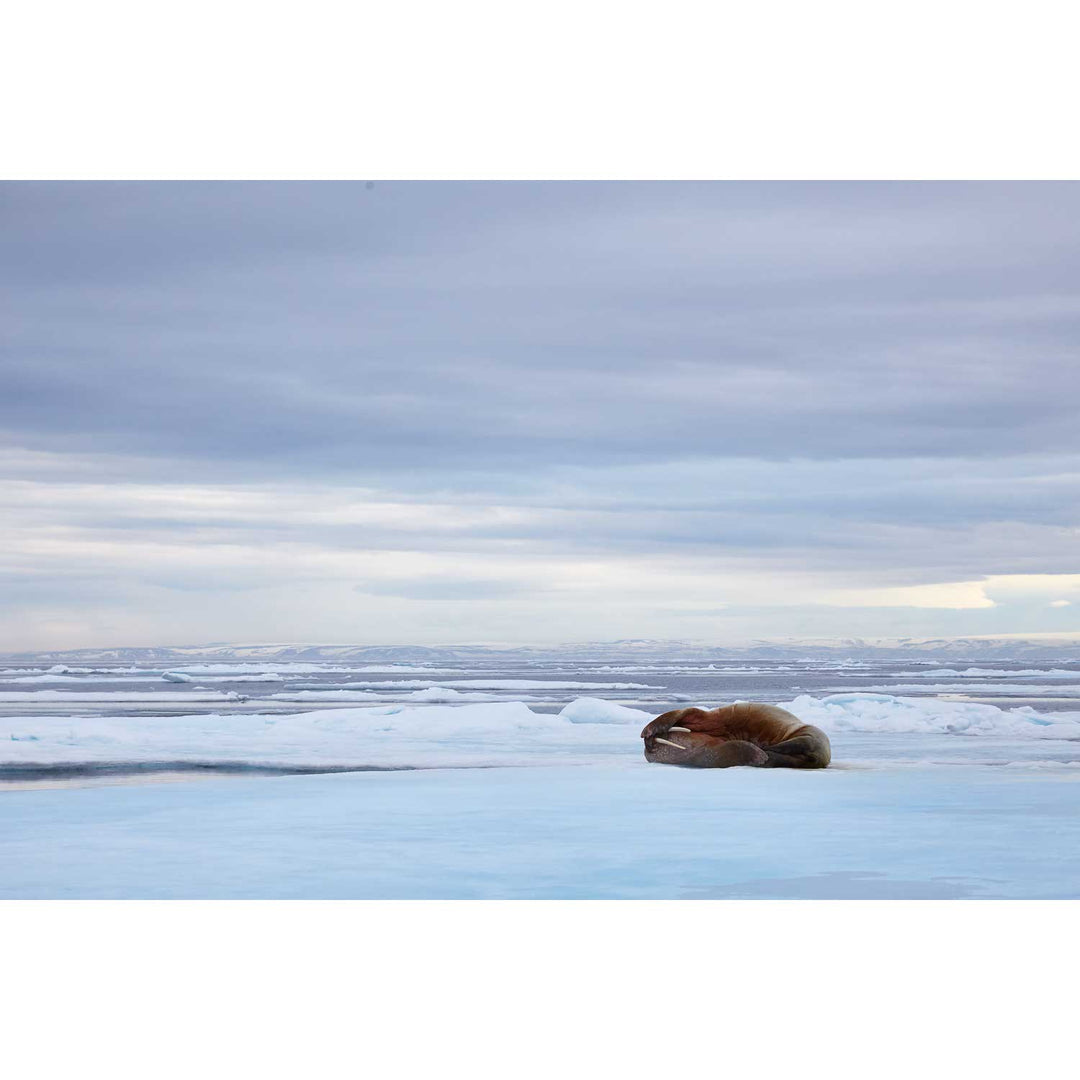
<point x="925" y="799"/>
<point x="431" y="735"/>
<point x="621" y="829"/>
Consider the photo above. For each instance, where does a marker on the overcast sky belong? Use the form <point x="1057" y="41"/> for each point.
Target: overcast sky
<point x="439" y="412"/>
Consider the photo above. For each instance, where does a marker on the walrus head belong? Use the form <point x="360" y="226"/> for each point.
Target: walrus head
<point x="668" y="741"/>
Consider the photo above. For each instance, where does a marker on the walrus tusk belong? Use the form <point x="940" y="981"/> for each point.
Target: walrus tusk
<point x="668" y="742"/>
<point x="686" y="729"/>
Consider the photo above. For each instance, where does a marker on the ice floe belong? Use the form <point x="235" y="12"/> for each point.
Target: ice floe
<point x="431" y="735"/>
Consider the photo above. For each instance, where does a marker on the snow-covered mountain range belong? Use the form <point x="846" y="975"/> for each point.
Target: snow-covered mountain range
<point x="633" y="648"/>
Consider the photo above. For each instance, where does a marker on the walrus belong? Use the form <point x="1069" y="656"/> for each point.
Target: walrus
<point x="745" y="733"/>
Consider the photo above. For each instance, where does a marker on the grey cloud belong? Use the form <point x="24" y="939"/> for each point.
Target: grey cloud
<point x="877" y="380"/>
<point x="904" y="521"/>
<point x="457" y="590"/>
<point x="310" y="328"/>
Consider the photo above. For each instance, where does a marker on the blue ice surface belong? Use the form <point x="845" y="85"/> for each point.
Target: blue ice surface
<point x="625" y="829"/>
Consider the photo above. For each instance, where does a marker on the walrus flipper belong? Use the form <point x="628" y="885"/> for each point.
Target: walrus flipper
<point x="726" y="754"/>
<point x="686" y="719"/>
<point x="802" y="752"/>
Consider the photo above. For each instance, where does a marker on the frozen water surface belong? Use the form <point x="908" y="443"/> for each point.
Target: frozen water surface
<point x="538" y="795"/>
<point x="624" y="830"/>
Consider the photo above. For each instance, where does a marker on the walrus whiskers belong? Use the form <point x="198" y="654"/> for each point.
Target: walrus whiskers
<point x="668" y="742"/>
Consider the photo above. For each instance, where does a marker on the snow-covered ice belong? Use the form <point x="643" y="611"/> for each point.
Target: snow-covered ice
<point x="989" y="673"/>
<point x="503" y="733"/>
<point x="925" y="799"/>
<point x="867" y="712"/>
<point x="589" y="710"/>
<point x="423" y="735"/>
<point x="618" y="830"/>
<point x="977" y="689"/>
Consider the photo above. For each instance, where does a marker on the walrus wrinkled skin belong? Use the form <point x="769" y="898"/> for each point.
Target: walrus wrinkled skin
<point x="746" y="733"/>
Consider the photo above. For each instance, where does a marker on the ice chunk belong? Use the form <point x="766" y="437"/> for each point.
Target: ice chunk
<point x="588" y="710"/>
<point x="885" y="713"/>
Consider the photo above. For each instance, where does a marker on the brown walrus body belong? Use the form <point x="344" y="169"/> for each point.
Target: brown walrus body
<point x="746" y="733"/>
